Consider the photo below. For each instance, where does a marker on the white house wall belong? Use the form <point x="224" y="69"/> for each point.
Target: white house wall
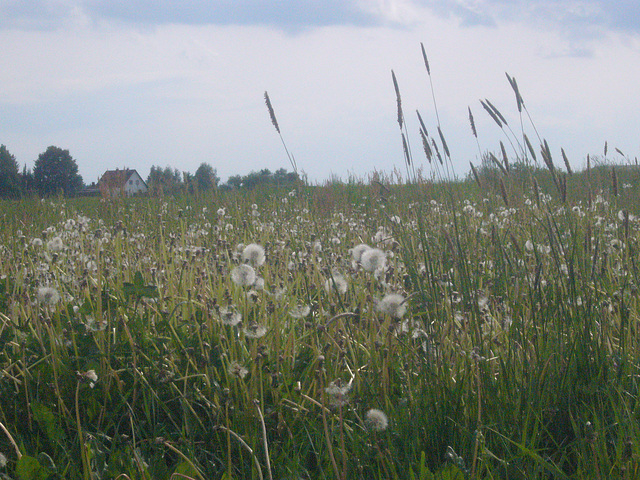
<point x="134" y="185"/>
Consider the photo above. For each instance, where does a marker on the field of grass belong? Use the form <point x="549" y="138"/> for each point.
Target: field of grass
<point x="438" y="328"/>
<point x="481" y="333"/>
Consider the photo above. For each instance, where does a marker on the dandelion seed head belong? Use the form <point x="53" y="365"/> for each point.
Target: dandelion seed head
<point x="392" y="305"/>
<point x="373" y="259"/>
<point x="254" y="254"/>
<point x="255" y="330"/>
<point x="300" y="311"/>
<point x="93" y="325"/>
<point x="483" y="302"/>
<point x="243" y="275"/>
<point x="357" y="251"/>
<point x="336" y="282"/>
<point x="338" y="393"/>
<point x="47" y="296"/>
<point x="237" y="370"/>
<point x="383" y="237"/>
<point x="229" y="316"/>
<point x="55" y="244"/>
<point x="259" y="283"/>
<point x="376" y="420"/>
<point x="89" y="376"/>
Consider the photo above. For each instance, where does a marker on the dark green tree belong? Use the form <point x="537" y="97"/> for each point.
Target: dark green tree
<point x="27" y="184"/>
<point x="9" y="174"/>
<point x="234" y="182"/>
<point x="55" y="171"/>
<point x="206" y="177"/>
<point x="164" y="181"/>
<point x="263" y="178"/>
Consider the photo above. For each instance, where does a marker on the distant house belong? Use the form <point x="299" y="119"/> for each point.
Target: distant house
<point x="121" y="183"/>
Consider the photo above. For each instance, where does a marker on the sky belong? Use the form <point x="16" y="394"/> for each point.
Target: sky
<point x="136" y="83"/>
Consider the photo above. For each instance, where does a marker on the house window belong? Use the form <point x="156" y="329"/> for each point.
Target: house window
<point x="130" y="182"/>
<point x="137" y="182"/>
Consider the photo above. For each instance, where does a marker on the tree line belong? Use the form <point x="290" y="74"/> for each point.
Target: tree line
<point x="171" y="180"/>
<point x="56" y="172"/>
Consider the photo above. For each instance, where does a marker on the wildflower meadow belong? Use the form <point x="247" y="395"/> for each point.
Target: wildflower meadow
<point x="430" y="328"/>
<point x="329" y="332"/>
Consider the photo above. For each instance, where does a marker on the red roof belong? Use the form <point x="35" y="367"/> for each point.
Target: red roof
<point x="113" y="181"/>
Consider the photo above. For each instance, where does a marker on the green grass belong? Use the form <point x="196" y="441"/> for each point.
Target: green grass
<point x="517" y="354"/>
<point x="514" y="352"/>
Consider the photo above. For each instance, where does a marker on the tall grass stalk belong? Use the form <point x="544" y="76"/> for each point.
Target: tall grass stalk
<point x="274" y="121"/>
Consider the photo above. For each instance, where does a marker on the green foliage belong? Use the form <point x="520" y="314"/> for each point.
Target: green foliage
<point x="138" y="289"/>
<point x="164" y="181"/>
<point x="5" y="294"/>
<point x="9" y="174"/>
<point x="55" y="171"/>
<point x="516" y="356"/>
<point x="264" y="179"/>
<point x="48" y="422"/>
<point x="206" y="177"/>
<point x="29" y="468"/>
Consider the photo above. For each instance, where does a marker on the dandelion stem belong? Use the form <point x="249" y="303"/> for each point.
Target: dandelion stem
<point x="264" y="438"/>
<point x="325" y="425"/>
<point x="342" y="445"/>
<point x="86" y="469"/>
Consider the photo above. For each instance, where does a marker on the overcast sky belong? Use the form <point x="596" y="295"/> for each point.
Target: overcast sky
<point x="136" y="83"/>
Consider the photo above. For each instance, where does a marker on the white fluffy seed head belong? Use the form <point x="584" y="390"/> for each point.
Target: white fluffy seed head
<point x="357" y="251"/>
<point x="254" y="254"/>
<point x="300" y="311"/>
<point x="243" y="275"/>
<point x="376" y="420"/>
<point x="392" y="305"/>
<point x="373" y="259"/>
<point x="255" y="330"/>
<point x="336" y="282"/>
<point x="230" y="316"/>
<point x="55" y="244"/>
<point x="47" y="296"/>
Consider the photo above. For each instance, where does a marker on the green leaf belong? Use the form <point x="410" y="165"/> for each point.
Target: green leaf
<point x="138" y="289"/>
<point x="186" y="469"/>
<point x="28" y="468"/>
<point x="425" y="473"/>
<point x="450" y="472"/>
<point x="129" y="290"/>
<point x="48" y="422"/>
<point x="138" y="281"/>
<point x="149" y="291"/>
